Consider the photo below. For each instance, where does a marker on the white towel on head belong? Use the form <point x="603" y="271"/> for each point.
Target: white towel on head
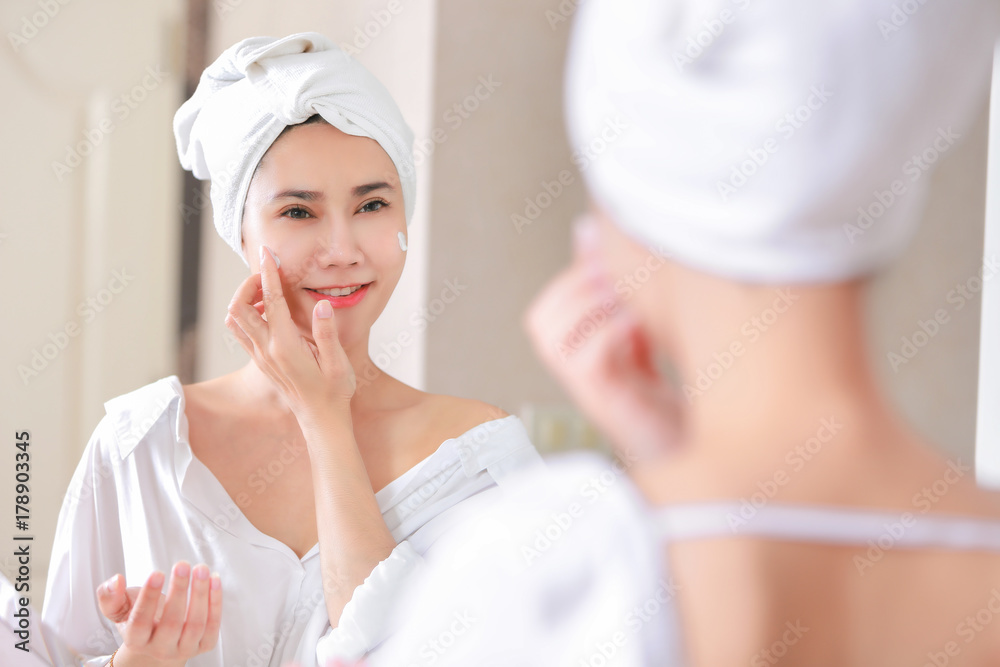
<point x="261" y="85"/>
<point x="773" y="141"/>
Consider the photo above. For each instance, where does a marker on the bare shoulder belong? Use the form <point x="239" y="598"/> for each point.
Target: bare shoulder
<point x="453" y="416"/>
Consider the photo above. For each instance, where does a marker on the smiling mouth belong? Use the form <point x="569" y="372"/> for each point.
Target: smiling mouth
<point x="344" y="291"/>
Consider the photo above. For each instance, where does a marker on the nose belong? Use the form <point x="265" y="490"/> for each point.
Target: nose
<point x="337" y="245"/>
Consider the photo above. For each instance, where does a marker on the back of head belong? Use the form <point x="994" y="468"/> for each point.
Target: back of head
<point x="774" y="142"/>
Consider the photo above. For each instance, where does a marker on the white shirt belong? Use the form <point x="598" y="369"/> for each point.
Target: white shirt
<point x="140" y="501"/>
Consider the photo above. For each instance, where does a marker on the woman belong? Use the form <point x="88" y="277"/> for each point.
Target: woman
<point x="310" y="481"/>
<point x="790" y="516"/>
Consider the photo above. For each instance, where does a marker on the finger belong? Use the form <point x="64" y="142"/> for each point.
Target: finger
<point x="140" y="623"/>
<point x="275" y="306"/>
<point x="240" y="335"/>
<point x="197" y="612"/>
<point x="325" y="334"/>
<point x="214" y="621"/>
<point x="246" y="315"/>
<point x="168" y="630"/>
<point x="113" y="599"/>
<point x="250" y="291"/>
<point x="565" y="312"/>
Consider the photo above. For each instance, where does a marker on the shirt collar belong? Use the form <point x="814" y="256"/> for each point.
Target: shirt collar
<point x="134" y="414"/>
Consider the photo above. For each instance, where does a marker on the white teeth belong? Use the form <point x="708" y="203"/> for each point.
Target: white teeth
<point x="339" y="292"/>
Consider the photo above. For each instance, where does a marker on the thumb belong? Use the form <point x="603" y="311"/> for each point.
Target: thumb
<point x="112" y="599"/>
<point x="324" y="329"/>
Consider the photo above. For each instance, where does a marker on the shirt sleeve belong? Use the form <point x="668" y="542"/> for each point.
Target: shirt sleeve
<point x="365" y="621"/>
<point x="87" y="550"/>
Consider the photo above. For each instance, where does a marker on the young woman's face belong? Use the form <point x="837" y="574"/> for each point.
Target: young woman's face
<point x="329" y="205"/>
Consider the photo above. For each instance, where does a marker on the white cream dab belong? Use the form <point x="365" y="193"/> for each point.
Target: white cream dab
<point x="402" y="240"/>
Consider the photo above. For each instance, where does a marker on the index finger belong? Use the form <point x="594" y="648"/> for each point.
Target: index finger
<point x="140" y="622"/>
<point x="275" y="306"/>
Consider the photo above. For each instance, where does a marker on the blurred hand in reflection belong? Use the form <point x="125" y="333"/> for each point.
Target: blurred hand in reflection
<point x="593" y="344"/>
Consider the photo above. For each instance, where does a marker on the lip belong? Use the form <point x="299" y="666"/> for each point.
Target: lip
<point x="341" y="301"/>
<point x="339" y="286"/>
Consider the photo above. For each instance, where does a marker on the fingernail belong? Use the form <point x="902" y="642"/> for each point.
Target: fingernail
<point x="109" y="585"/>
<point x="201" y="572"/>
<point x="277" y="262"/>
<point x="323" y="309"/>
<point x="155" y="580"/>
<point x="216" y="582"/>
<point x="182" y="569"/>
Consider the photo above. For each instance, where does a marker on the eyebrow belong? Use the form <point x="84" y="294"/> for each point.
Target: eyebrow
<point x="313" y="195"/>
<point x="362" y="190"/>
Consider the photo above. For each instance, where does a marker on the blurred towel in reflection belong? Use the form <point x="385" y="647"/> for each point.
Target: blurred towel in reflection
<point x="774" y="142"/>
<point x="257" y="88"/>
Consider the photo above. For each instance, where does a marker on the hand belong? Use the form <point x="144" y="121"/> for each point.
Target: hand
<point x="168" y="628"/>
<point x="598" y="350"/>
<point x="313" y="374"/>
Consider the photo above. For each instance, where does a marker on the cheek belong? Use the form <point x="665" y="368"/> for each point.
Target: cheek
<point x="382" y="249"/>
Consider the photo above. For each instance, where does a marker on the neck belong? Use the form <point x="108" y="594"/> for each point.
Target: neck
<point x="767" y="367"/>
<point x="370" y="381"/>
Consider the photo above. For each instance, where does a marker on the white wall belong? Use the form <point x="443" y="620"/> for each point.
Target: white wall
<point x="65" y="234"/>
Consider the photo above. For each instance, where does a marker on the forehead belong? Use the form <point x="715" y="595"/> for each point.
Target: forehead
<point x="323" y="154"/>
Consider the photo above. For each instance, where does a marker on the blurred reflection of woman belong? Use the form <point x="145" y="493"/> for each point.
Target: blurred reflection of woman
<point x="309" y="481"/>
<point x="770" y="507"/>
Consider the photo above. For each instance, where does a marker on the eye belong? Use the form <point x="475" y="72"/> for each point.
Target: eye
<point x="296" y="213"/>
<point x="378" y="204"/>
